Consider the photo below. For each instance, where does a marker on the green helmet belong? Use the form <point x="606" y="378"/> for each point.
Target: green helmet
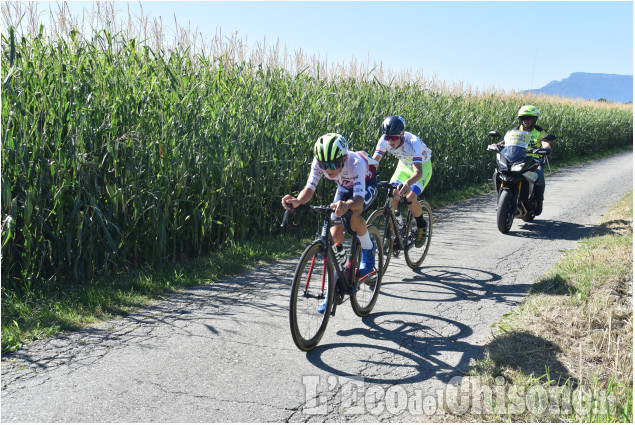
<point x="330" y="147"/>
<point x="528" y="111"/>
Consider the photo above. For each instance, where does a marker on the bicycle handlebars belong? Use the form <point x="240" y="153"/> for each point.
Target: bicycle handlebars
<point x="390" y="185"/>
<point x="325" y="210"/>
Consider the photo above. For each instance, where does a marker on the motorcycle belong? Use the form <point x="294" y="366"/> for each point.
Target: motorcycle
<point x="515" y="177"/>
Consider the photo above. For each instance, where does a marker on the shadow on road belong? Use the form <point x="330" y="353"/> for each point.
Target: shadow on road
<point x="551" y="229"/>
<point x="422" y="339"/>
<point x="449" y="284"/>
<point x="213" y="305"/>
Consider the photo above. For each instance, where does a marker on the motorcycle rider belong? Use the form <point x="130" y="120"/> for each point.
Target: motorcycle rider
<point x="413" y="171"/>
<point x="527" y="117"/>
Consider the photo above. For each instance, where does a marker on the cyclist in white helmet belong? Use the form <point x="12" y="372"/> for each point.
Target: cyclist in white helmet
<point x="413" y="171"/>
<point x="356" y="190"/>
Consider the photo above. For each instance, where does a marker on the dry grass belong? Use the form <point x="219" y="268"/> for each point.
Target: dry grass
<point x="573" y="335"/>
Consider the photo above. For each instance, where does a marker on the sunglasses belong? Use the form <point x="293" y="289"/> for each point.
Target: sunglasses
<point x="391" y="138"/>
<point x="333" y="165"/>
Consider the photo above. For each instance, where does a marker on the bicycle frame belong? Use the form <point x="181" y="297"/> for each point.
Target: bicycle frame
<point x="387" y="207"/>
<point x="345" y="279"/>
<point x="315" y="296"/>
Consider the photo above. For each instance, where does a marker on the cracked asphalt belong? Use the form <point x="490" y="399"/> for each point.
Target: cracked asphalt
<point x="222" y="352"/>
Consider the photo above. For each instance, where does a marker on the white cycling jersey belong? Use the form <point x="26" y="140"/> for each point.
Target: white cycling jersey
<point x="412" y="150"/>
<point x="353" y="175"/>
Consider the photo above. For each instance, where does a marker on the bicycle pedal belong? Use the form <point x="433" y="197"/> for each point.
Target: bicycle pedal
<point x="371" y="280"/>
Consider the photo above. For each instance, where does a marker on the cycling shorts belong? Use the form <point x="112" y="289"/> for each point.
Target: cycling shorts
<point x="344" y="194"/>
<point x="403" y="173"/>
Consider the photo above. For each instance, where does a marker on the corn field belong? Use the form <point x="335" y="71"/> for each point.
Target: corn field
<point x="116" y="153"/>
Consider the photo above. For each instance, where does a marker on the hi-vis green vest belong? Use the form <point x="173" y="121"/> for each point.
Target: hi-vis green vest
<point x="536" y="134"/>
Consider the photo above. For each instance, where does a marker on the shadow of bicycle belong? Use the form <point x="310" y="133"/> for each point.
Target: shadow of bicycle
<point x="408" y="347"/>
<point x="450" y="284"/>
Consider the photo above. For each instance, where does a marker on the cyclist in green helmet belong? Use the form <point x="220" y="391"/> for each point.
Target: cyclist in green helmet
<point x="356" y="189"/>
<point x="527" y="117"/>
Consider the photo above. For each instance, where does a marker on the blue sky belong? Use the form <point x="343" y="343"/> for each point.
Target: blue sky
<point x="498" y="44"/>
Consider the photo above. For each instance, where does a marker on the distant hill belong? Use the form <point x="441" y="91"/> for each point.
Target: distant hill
<point x="613" y="87"/>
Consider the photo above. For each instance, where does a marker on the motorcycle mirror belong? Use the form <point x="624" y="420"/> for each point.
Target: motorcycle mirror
<point x="494" y="134"/>
<point x="549" y="138"/>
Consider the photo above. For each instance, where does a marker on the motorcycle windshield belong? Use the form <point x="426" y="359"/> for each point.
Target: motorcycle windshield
<point x="514" y="153"/>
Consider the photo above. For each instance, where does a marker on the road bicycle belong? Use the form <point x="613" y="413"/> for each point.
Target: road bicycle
<point x="318" y="275"/>
<point x="396" y="237"/>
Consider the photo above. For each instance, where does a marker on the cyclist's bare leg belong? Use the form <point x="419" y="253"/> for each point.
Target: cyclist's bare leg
<point x="337" y="231"/>
<point x="358" y="224"/>
<point x="414" y="206"/>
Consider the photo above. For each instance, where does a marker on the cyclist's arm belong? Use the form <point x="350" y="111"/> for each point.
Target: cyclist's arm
<point x="356" y="204"/>
<point x="417" y="174"/>
<point x="380" y="149"/>
<point x="289" y="201"/>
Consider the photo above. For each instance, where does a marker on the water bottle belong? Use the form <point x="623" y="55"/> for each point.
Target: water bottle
<point x="399" y="219"/>
<point x="340" y="255"/>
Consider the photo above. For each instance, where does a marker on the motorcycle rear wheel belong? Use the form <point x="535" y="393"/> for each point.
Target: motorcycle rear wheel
<point x="505" y="211"/>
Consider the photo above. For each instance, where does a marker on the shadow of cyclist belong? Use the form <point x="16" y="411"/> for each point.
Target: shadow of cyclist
<point x="409" y="348"/>
<point x="450" y="284"/>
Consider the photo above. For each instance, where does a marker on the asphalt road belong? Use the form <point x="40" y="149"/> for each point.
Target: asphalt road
<point x="223" y="352"/>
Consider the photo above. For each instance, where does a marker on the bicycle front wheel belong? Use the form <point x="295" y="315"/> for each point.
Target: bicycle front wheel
<point x="382" y="221"/>
<point x="312" y="283"/>
<point x="364" y="299"/>
<point x="415" y="252"/>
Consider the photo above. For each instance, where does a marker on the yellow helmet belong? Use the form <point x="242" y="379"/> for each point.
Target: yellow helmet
<point x="528" y="111"/>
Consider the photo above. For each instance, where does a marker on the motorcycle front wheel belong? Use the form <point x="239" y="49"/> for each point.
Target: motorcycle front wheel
<point x="505" y="211"/>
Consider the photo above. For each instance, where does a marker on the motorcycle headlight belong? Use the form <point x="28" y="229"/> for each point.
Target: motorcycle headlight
<point x="518" y="166"/>
<point x="502" y="162"/>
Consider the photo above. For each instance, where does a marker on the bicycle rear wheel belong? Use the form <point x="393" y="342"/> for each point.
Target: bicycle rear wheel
<point x="312" y="282"/>
<point x="364" y="299"/>
<point x="381" y="220"/>
<point x="415" y="255"/>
